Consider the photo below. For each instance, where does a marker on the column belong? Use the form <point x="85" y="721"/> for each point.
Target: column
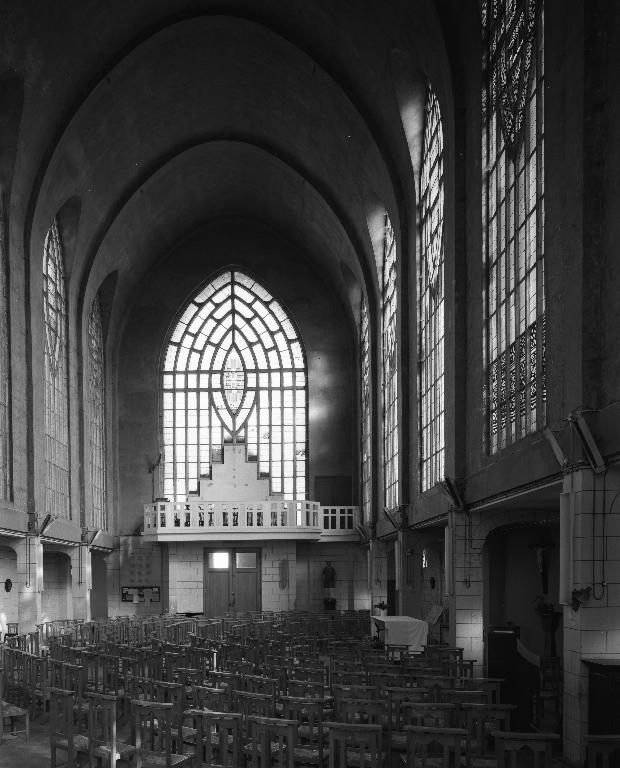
<point x="81" y="580"/>
<point x="29" y="581"/>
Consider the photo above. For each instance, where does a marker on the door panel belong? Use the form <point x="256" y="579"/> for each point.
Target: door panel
<point x="232" y="581"/>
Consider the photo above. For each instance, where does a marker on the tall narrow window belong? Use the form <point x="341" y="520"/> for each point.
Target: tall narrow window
<point x="234" y="371"/>
<point x="366" y="409"/>
<point x="513" y="219"/>
<point x="431" y="300"/>
<point x="96" y="412"/>
<point x="390" y="369"/>
<point x="5" y="477"/>
<point x="56" y="379"/>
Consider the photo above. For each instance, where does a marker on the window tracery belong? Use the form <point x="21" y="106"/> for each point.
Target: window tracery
<point x="431" y="300"/>
<point x="366" y="410"/>
<point x="57" y="500"/>
<point x="96" y="407"/>
<point x="513" y="218"/>
<point x="234" y="371"/>
<point x="390" y="368"/>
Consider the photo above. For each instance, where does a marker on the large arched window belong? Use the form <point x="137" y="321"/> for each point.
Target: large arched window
<point x="5" y="477"/>
<point x="431" y="300"/>
<point x="234" y="371"/>
<point x="96" y="413"/>
<point x="365" y="409"/>
<point x="57" y="501"/>
<point x="390" y="369"/>
<point x="513" y="219"/>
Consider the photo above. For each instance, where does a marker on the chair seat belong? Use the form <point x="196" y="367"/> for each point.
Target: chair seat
<point x="366" y="758"/>
<point x="304" y="731"/>
<point x="123" y="751"/>
<point x="158" y="758"/>
<point x="309" y="755"/>
<point x="275" y="748"/>
<point x="10" y="710"/>
<point x="80" y="743"/>
<point x="399" y="741"/>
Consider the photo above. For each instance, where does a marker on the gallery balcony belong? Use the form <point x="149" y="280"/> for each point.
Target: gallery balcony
<point x="166" y="521"/>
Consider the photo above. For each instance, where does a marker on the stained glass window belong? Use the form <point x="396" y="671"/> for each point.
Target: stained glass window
<point x="57" y="500"/>
<point x="5" y="481"/>
<point x="96" y="408"/>
<point x="513" y="219"/>
<point x="234" y="371"/>
<point x="390" y="369"/>
<point x="431" y="301"/>
<point x="366" y="409"/>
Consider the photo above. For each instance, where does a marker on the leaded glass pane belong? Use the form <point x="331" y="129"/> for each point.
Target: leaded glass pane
<point x="96" y="412"/>
<point x="513" y="219"/>
<point x="243" y="382"/>
<point x="365" y="410"/>
<point x="57" y="501"/>
<point x="390" y="369"/>
<point x="431" y="300"/>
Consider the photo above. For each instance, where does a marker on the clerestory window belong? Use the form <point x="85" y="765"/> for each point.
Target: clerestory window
<point x="234" y="371"/>
<point x="431" y="301"/>
<point x="57" y="501"/>
<point x="513" y="219"/>
<point x="366" y="411"/>
<point x="96" y="412"/>
<point x="390" y="369"/>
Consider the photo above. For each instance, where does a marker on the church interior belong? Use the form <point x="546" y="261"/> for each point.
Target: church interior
<point x="309" y="324"/>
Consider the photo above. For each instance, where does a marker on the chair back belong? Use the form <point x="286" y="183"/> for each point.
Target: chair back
<point x="217" y="737"/>
<point x="352" y="744"/>
<point x="61" y="724"/>
<point x="273" y="737"/>
<point x="152" y="725"/>
<point x="440" y="747"/>
<point x="532" y="749"/>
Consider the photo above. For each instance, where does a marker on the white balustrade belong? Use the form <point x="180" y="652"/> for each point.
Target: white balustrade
<point x="204" y="517"/>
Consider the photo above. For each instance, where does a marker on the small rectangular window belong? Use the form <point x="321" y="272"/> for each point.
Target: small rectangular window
<point x="218" y="561"/>
<point x="245" y="559"/>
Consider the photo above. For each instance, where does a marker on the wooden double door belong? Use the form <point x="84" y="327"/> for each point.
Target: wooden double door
<point x="232" y="580"/>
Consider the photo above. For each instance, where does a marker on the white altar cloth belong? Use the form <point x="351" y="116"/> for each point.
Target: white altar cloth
<point x="403" y="630"/>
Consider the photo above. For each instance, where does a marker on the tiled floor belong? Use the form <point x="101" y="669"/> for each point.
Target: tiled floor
<point x="15" y="752"/>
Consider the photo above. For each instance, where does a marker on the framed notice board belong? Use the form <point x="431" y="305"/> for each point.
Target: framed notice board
<point x="140" y="594"/>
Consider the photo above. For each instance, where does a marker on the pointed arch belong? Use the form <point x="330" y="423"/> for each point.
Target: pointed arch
<point x="234" y="371"/>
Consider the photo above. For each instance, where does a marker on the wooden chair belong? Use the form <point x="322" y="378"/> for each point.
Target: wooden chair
<point x="104" y="748"/>
<point x="425" y="713"/>
<point x="481" y="721"/>
<point x="532" y="749"/>
<point x="311" y="731"/>
<point x="12" y="629"/>
<point x="355" y="745"/>
<point x="217" y="740"/>
<point x="152" y="725"/>
<point x="439" y="747"/>
<point x="216" y="699"/>
<point x="253" y="705"/>
<point x="64" y="736"/>
<point x="601" y="750"/>
<point x="12" y="713"/>
<point x="272" y="742"/>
